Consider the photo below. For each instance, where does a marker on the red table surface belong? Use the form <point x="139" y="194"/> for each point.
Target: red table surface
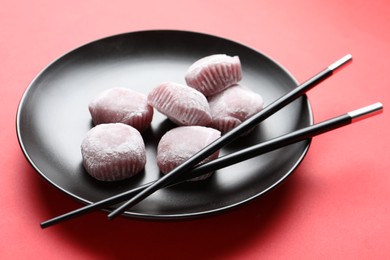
<point x="335" y="206"/>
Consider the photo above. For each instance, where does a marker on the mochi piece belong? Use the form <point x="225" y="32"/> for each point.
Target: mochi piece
<point x="113" y="152"/>
<point x="179" y="144"/>
<point x="214" y="73"/>
<point x="232" y="106"/>
<point x="183" y="105"/>
<point x="121" y="105"/>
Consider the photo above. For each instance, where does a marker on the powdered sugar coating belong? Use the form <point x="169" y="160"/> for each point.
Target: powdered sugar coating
<point x="121" y="105"/>
<point x="234" y="105"/>
<point x="113" y="152"/>
<point x="181" y="104"/>
<point x="179" y="144"/>
<point x="214" y="73"/>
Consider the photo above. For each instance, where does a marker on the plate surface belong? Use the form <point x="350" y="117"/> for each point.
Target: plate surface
<point x="53" y="119"/>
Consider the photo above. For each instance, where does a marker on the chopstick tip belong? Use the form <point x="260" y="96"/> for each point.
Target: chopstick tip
<point x="111" y="216"/>
<point x="348" y="56"/>
<point x="366" y="112"/>
<point x="334" y="66"/>
<point x="45" y="224"/>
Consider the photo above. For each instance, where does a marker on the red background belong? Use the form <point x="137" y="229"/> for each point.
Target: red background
<point x="335" y="206"/>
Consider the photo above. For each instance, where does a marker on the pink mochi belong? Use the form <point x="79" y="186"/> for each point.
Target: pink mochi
<point x="121" y="105"/>
<point x="183" y="105"/>
<point x="233" y="106"/>
<point x="179" y="144"/>
<point x="212" y="74"/>
<point x="113" y="152"/>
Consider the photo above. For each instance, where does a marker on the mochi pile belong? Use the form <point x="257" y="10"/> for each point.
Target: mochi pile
<point x="211" y="103"/>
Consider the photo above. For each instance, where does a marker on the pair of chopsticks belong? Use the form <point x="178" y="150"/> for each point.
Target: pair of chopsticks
<point x="187" y="170"/>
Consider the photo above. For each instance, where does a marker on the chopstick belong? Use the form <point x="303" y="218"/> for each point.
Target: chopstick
<point x="233" y="158"/>
<point x="231" y="135"/>
<point x="287" y="139"/>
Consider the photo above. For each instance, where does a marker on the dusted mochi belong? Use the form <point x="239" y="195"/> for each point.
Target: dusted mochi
<point x="179" y="144"/>
<point x="232" y="106"/>
<point x="121" y="105"/>
<point x="113" y="152"/>
<point x="212" y="74"/>
<point x="183" y="105"/>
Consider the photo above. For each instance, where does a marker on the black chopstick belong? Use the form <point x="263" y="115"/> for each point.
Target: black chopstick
<point x="232" y="135"/>
<point x="233" y="158"/>
<point x="287" y="139"/>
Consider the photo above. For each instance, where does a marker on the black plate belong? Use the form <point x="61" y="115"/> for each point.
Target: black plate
<point x="53" y="118"/>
